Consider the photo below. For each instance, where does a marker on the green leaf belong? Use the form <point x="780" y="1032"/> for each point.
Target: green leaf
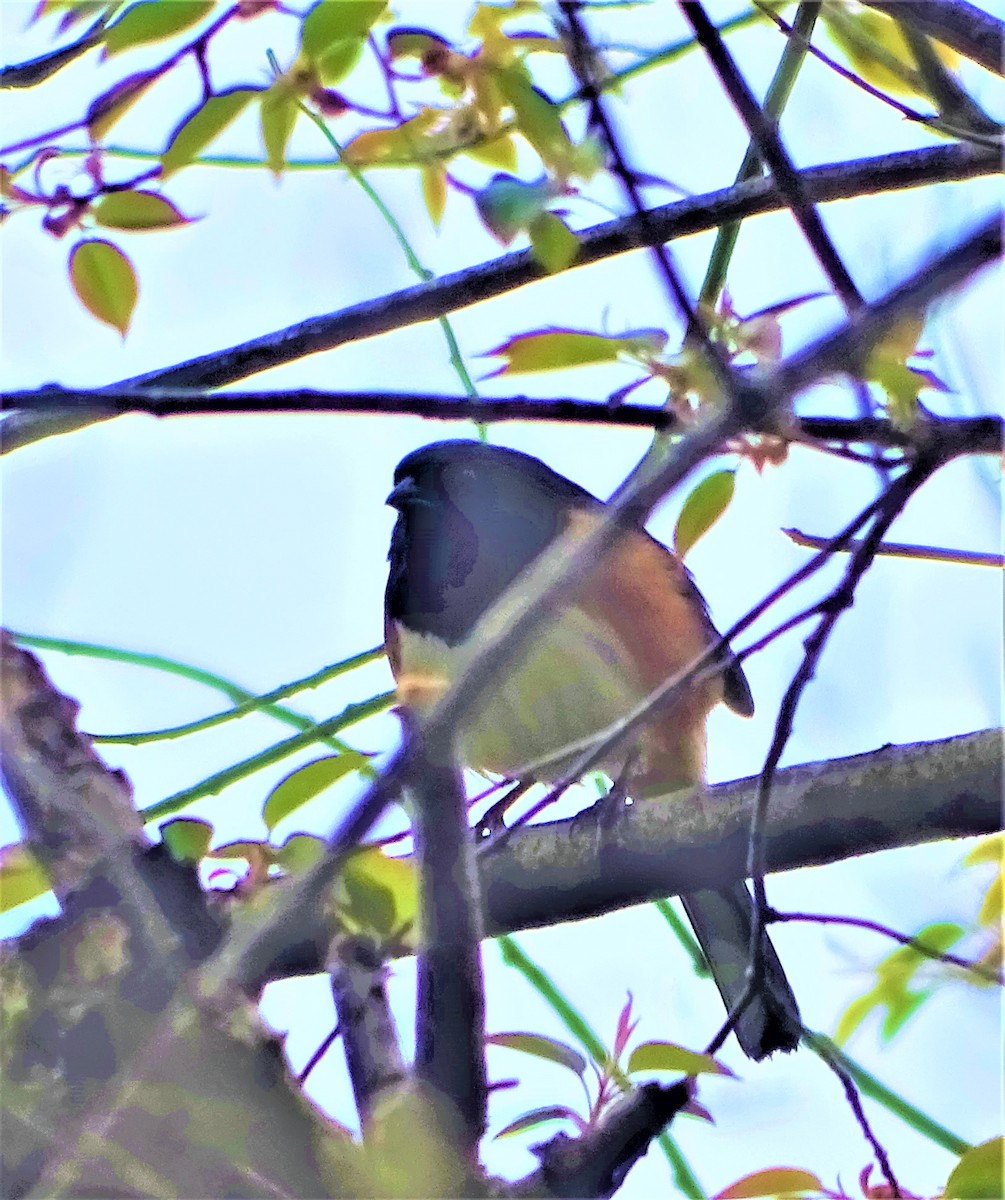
<point x="776" y="1181"/>
<point x="665" y="1056"/>
<point x="554" y="244"/>
<point x="153" y="21"/>
<point x="300" y="852"/>
<point x="106" y="109"/>
<point x="137" y="210"/>
<point x="339" y="59"/>
<point x="540" y="1116"/>
<point x="198" y="129"/>
<point x="507" y="205"/>
<point x="703" y="507"/>
<point x="434" y="192"/>
<point x="378" y="894"/>
<point x="187" y="840"/>
<point x="280" y="109"/>
<point x="536" y="117"/>
<point x="979" y="1173"/>
<point x="403" y="145"/>
<point x="105" y="282"/>
<point x="556" y="349"/>
<point x="305" y="783"/>
<point x="333" y="21"/>
<point x="498" y="152"/>
<point x="894" y="976"/>
<point x="540" y="1046"/>
<point x="22" y="877"/>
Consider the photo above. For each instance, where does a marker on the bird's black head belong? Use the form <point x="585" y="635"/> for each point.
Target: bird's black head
<point x="471" y="518"/>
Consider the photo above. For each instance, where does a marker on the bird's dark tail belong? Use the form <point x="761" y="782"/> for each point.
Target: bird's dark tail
<point x="723" y="923"/>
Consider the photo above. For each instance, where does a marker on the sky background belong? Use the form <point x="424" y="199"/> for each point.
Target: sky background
<point x="255" y="547"/>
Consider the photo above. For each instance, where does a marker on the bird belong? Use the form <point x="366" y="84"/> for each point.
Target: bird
<point x="471" y="518"/>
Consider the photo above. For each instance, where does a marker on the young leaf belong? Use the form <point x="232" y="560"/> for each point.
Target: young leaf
<point x="554" y="244"/>
<point x="332" y="21"/>
<point x="703" y="507"/>
<point x="22" y="877"/>
<point x="380" y="894"/>
<point x="187" y="840"/>
<point x="106" y="109"/>
<point x="403" y="145"/>
<point x="280" y="109"/>
<point x="540" y="1046"/>
<point x="498" y="152"/>
<point x="979" y="1173"/>
<point x="894" y="976"/>
<point x="556" y="349"/>
<point x="776" y="1181"/>
<point x="153" y="21"/>
<point x="105" y="282"/>
<point x="540" y="1116"/>
<point x="536" y="117"/>
<point x="434" y="192"/>
<point x="665" y="1056"/>
<point x="300" y="852"/>
<point x="137" y="210"/>
<point x="305" y="783"/>
<point x="508" y="205"/>
<point x="198" y="129"/>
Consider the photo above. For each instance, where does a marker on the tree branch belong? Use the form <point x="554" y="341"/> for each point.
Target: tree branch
<point x="971" y="31"/>
<point x="596" y="1163"/>
<point x="820" y="813"/>
<point x="427" y="302"/>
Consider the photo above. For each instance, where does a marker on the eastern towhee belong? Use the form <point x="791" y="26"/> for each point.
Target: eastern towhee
<point x="471" y="519"/>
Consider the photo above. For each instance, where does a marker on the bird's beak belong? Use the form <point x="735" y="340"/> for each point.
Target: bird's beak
<point x="403" y="494"/>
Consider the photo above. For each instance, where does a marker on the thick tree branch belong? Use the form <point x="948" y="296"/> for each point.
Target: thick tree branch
<point x="450" y="1006"/>
<point x="595" y="1164"/>
<point x="427" y="302"/>
<point x="976" y="34"/>
<point x="820" y="813"/>
<point x="372" y="1054"/>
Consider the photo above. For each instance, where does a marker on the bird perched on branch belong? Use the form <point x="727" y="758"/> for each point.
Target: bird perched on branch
<point x="471" y="519"/>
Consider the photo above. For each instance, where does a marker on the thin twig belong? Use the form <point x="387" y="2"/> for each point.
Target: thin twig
<point x="769" y="146"/>
<point x="954" y="960"/>
<point x="584" y="62"/>
<point x="967" y="558"/>
<point x="855" y="1104"/>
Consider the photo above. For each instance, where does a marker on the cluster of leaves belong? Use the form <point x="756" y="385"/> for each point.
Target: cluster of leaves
<point x="488" y="106"/>
<point x="477" y="102"/>
<point x="907" y="977"/>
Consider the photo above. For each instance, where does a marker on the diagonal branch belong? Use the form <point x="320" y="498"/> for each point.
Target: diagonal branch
<point x="974" y="33"/>
<point x="427" y="302"/>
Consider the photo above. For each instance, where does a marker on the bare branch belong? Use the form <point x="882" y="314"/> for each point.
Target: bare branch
<point x="764" y="135"/>
<point x="450" y="1016"/>
<point x="372" y="1053"/>
<point x="820" y="813"/>
<point x="967" y="558"/>
<point x="953" y="960"/>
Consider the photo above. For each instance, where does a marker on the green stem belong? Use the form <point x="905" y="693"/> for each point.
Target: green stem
<point x="422" y="273"/>
<point x="513" y="956"/>
<point x="777" y="97"/>
<point x="870" y="1086"/>
<point x="267" y="758"/>
<point x="240" y="696"/>
<point x="255" y="704"/>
